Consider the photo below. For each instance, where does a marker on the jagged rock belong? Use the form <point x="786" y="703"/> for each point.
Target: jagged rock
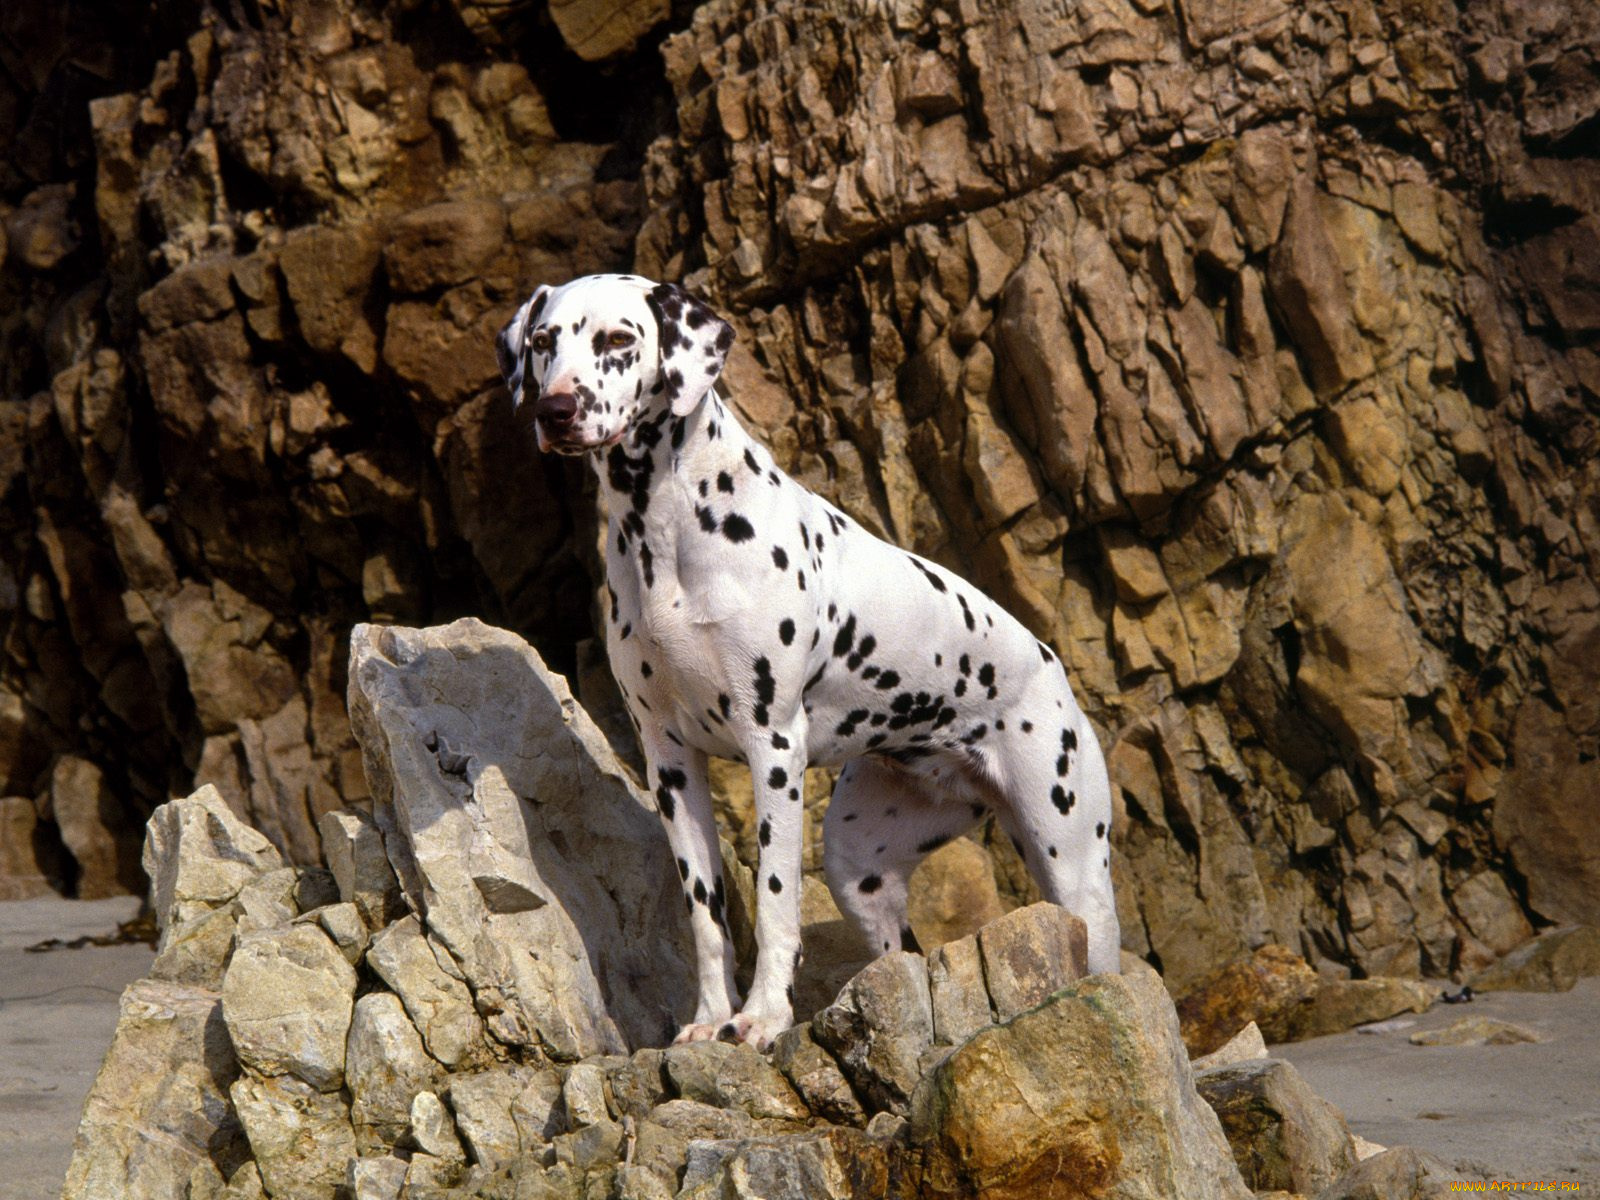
<point x="353" y="848"/>
<point x="377" y="1178"/>
<point x="158" y="1107"/>
<point x="286" y="999"/>
<point x="1092" y="1087"/>
<point x="432" y="1130"/>
<point x="1552" y="962"/>
<point x="732" y="1077"/>
<point x="385" y="1067"/>
<point x="434" y="996"/>
<point x="830" y="1164"/>
<point x="342" y="922"/>
<point x="597" y="29"/>
<point x="199" y="856"/>
<point x="1030" y="953"/>
<point x="1257" y="988"/>
<point x="476" y="754"/>
<point x="300" y="1138"/>
<point x="638" y="1084"/>
<point x="1243" y="1046"/>
<point x="583" y="1095"/>
<point x="198" y="954"/>
<point x="482" y="1104"/>
<point x="1283" y="1135"/>
<point x="816" y="1077"/>
<point x="879" y="1028"/>
<point x="1404" y="1173"/>
<point x="1340" y="1004"/>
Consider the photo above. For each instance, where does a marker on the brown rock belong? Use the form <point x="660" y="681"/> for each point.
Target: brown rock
<point x="29" y="862"/>
<point x="1258" y="988"/>
<point x="1552" y="962"/>
<point x="1340" y="1004"/>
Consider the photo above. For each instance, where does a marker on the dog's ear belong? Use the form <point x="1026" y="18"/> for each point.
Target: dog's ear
<point x="694" y="345"/>
<point x="511" y="342"/>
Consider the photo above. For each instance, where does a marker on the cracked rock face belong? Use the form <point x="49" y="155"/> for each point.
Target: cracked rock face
<point x="1249" y="361"/>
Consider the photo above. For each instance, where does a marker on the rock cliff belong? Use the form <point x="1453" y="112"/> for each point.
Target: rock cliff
<point x="1249" y="358"/>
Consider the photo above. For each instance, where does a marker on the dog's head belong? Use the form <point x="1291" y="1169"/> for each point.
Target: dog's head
<point x="587" y="360"/>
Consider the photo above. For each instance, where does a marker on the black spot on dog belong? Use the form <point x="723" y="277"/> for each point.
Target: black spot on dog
<point x="1062" y="799"/>
<point x="870" y="884"/>
<point x="774" y="884"/>
<point x="724" y="482"/>
<point x="764" y="834"/>
<point x="786" y="631"/>
<point x="845" y="638"/>
<point x="779" y="742"/>
<point x="853" y="718"/>
<point x="780" y="558"/>
<point x="723" y="704"/>
<point x="736" y="529"/>
<point x="751" y="461"/>
<point x="888" y="680"/>
<point x="700" y="891"/>
<point x="683" y="870"/>
<point x="777" y="778"/>
<point x="1099" y="829"/>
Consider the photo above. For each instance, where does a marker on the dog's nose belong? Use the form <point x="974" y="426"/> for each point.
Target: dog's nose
<point x="556" y="410"/>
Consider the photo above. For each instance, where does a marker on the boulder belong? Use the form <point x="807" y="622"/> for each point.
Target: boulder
<point x="824" y="1164"/>
<point x="1476" y="1031"/>
<point x="286" y="999"/>
<point x="511" y="824"/>
<point x="1552" y="962"/>
<point x="159" y="1106"/>
<point x="1404" y="1173"/>
<point x="879" y="1028"/>
<point x="1256" y="988"/>
<point x="1284" y="1136"/>
<point x="1340" y="1004"/>
<point x="1087" y="1094"/>
<point x="199" y="856"/>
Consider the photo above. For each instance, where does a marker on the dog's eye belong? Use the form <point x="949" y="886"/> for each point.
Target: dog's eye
<point x="540" y="342"/>
<point x="619" y="338"/>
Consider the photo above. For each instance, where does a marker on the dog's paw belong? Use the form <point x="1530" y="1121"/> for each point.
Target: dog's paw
<point x="752" y="1031"/>
<point x="701" y="1032"/>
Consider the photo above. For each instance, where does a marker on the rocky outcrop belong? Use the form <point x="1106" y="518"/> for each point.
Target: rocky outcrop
<point x="499" y="1028"/>
<point x="1249" y="360"/>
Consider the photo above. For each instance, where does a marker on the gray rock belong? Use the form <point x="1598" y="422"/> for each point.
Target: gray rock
<point x="702" y="1121"/>
<point x="1404" y="1173"/>
<point x="816" y="1076"/>
<point x="1243" y="1046"/>
<point x="199" y="856"/>
<point x="343" y="923"/>
<point x="1030" y="953"/>
<point x="583" y="1094"/>
<point x="729" y="1076"/>
<point x="436" y="999"/>
<point x="1284" y="1136"/>
<point x="378" y="1178"/>
<point x="538" y="1111"/>
<point x="482" y="1103"/>
<point x="879" y="1028"/>
<point x="197" y="952"/>
<point x="158" y="1107"/>
<point x="286" y="998"/>
<point x="385" y="1067"/>
<point x="432" y="1129"/>
<point x="960" y="1000"/>
<point x="353" y="847"/>
<point x="822" y="1164"/>
<point x="638" y="1083"/>
<point x="301" y="1138"/>
<point x="515" y="827"/>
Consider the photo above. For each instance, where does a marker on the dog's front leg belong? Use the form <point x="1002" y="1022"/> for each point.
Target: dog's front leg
<point x="777" y="772"/>
<point x="678" y="774"/>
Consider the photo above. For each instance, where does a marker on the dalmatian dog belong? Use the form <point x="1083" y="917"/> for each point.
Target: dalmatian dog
<point x="749" y="618"/>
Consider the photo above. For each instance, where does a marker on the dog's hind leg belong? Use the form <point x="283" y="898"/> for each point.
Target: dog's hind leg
<point x="881" y="823"/>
